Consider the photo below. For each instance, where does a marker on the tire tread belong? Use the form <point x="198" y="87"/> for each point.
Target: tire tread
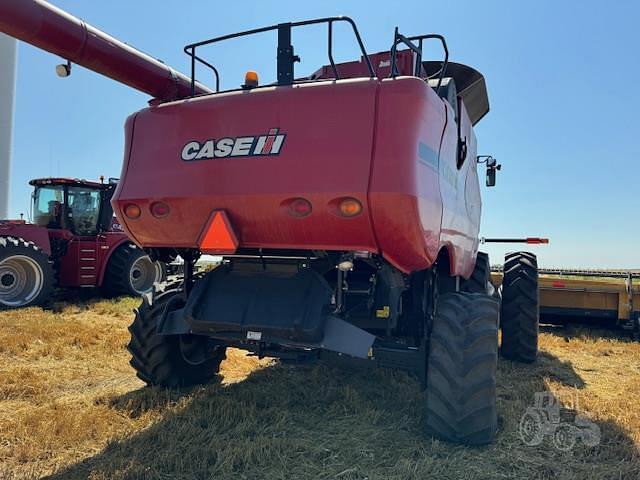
<point x="461" y="370"/>
<point x="520" y="307"/>
<point x="157" y="359"/>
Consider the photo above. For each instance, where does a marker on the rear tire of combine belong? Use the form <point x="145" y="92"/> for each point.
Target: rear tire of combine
<point x="131" y="272"/>
<point x="461" y="369"/>
<point x="520" y="307"/>
<point x="170" y="361"/>
<point x="26" y="275"/>
<point x="480" y="280"/>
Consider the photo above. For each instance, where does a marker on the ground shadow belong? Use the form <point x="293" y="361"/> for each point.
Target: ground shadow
<point x="320" y="422"/>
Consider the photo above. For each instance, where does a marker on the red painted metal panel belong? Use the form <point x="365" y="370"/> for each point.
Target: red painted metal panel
<point x="328" y="152"/>
<point x="326" y="155"/>
<point x="86" y="258"/>
<point x="404" y="193"/>
<point x="78" y="265"/>
<point x="29" y="232"/>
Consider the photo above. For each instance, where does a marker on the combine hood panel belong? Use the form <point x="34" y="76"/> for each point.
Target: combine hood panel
<point x="250" y="154"/>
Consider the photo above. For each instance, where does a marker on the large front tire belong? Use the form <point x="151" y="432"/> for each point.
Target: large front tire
<point x="130" y="271"/>
<point x="520" y="307"/>
<point x="461" y="370"/>
<point x="170" y="360"/>
<point x="26" y="275"/>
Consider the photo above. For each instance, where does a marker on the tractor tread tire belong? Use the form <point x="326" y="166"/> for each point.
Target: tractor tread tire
<point x="481" y="277"/>
<point x="116" y="278"/>
<point x="10" y="246"/>
<point x="461" y="369"/>
<point x="157" y="359"/>
<point x="520" y="308"/>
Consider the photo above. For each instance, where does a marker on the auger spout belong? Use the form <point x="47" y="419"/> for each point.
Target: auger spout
<point x="51" y="29"/>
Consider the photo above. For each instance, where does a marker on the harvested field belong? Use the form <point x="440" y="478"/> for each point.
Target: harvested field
<point x="71" y="407"/>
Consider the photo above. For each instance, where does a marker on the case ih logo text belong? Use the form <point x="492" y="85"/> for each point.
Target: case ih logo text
<point x="269" y="144"/>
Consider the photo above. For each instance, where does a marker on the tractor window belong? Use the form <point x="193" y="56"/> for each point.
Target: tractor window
<point x="83" y="210"/>
<point x="47" y="202"/>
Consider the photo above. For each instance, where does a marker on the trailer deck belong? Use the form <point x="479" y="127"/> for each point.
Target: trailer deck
<point x="604" y="294"/>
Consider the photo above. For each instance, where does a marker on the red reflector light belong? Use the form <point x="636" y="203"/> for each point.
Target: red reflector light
<point x="349" y="207"/>
<point x="132" y="211"/>
<point x="218" y="236"/>
<point x="300" y="207"/>
<point x="159" y="209"/>
<point x="537" y="241"/>
<point x="558" y="284"/>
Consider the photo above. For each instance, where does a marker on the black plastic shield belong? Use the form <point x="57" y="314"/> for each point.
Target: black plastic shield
<point x="291" y="306"/>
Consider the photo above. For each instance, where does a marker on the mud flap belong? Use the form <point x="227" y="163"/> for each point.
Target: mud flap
<point x="285" y="308"/>
<point x="343" y="337"/>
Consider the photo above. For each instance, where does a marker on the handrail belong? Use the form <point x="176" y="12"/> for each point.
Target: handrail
<point x="408" y="41"/>
<point x="285" y="58"/>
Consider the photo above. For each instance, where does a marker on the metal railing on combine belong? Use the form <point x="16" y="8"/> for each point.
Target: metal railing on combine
<point x="285" y="55"/>
<point x="398" y="39"/>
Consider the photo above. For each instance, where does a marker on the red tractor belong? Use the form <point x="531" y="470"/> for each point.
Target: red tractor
<point x="346" y="205"/>
<point x="74" y="241"/>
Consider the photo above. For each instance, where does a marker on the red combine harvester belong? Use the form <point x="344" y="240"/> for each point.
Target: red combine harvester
<point x="74" y="241"/>
<point x="346" y="205"/>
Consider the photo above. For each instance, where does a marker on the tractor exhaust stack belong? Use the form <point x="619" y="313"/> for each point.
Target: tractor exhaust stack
<point x="49" y="28"/>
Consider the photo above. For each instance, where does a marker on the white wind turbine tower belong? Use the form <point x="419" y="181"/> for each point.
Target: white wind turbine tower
<point x="8" y="53"/>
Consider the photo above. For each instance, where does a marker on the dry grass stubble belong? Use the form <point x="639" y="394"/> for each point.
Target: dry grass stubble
<point x="71" y="406"/>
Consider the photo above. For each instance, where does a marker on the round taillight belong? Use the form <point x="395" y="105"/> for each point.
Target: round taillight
<point x="349" y="207"/>
<point x="159" y="209"/>
<point x="132" y="211"/>
<point x="300" y="207"/>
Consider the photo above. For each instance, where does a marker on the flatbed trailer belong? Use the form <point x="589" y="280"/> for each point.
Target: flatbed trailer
<point x="602" y="294"/>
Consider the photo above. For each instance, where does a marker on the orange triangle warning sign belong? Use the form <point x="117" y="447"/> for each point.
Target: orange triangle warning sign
<point x="219" y="237"/>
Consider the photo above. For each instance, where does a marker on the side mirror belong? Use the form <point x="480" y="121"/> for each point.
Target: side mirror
<point x="491" y="177"/>
<point x="492" y="168"/>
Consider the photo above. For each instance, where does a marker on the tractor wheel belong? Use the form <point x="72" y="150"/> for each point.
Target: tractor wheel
<point x="131" y="272"/>
<point x="480" y="280"/>
<point x="520" y="308"/>
<point x="170" y="360"/>
<point x="461" y="369"/>
<point x="531" y="428"/>
<point x="565" y="437"/>
<point x="26" y="275"/>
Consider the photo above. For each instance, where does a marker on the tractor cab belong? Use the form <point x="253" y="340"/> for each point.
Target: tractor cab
<point x="80" y="206"/>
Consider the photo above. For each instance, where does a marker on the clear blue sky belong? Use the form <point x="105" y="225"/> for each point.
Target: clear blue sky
<point x="562" y="80"/>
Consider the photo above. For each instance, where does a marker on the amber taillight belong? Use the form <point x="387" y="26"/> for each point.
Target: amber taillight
<point x="349" y="207"/>
<point x="132" y="211"/>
